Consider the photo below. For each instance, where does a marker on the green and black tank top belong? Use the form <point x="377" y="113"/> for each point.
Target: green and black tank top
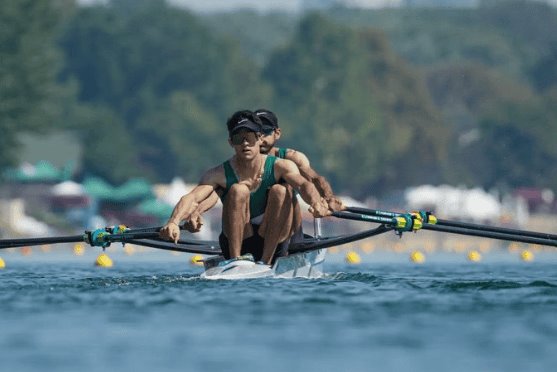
<point x="281" y="153"/>
<point x="258" y="198"/>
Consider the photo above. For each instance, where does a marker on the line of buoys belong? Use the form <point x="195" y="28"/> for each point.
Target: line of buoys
<point x="196" y="260"/>
<point x="103" y="260"/>
<point x="2" y="263"/>
<point x="352" y="258"/>
<point x="474" y="256"/>
<point x="417" y="257"/>
<point x="526" y="256"/>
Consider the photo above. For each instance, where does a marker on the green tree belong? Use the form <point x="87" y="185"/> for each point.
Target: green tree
<point x="134" y="56"/>
<point x="353" y="107"/>
<point x="187" y="141"/>
<point x="544" y="73"/>
<point x="500" y="129"/>
<point x="29" y="65"/>
<point x="517" y="139"/>
<point x="108" y="150"/>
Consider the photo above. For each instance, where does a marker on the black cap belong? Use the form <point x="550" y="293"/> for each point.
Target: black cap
<point x="243" y="120"/>
<point x="268" y="118"/>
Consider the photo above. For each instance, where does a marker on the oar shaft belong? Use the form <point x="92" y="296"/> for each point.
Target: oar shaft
<point x="9" y="243"/>
<point x="491" y="234"/>
<point x="127" y="236"/>
<point x="365" y="217"/>
<point x="169" y="246"/>
<point x="372" y="212"/>
<point x="332" y="242"/>
<point x="496" y="229"/>
<point x="462" y="230"/>
<point x="458" y="224"/>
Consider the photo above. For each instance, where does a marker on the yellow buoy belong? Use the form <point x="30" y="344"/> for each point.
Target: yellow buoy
<point x="417" y="257"/>
<point x="197" y="260"/>
<point x="2" y="263"/>
<point x="526" y="256"/>
<point x="103" y="260"/>
<point x="78" y="249"/>
<point x="352" y="258"/>
<point x="474" y="256"/>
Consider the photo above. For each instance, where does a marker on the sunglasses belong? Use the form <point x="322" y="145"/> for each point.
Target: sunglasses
<point x="268" y="131"/>
<point x="239" y="138"/>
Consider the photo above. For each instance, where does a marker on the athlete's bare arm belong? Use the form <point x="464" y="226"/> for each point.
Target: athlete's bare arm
<point x="211" y="180"/>
<point x="324" y="188"/>
<point x="194" y="223"/>
<point x="289" y="172"/>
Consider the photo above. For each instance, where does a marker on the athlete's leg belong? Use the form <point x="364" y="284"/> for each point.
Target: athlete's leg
<point x="296" y="217"/>
<point x="277" y="221"/>
<point x="235" y="218"/>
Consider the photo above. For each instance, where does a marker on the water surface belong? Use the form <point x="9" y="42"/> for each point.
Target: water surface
<point x="159" y="316"/>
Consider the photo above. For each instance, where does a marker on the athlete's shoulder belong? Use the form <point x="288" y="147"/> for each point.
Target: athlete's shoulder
<point x="298" y="157"/>
<point x="214" y="175"/>
<point x="284" y="164"/>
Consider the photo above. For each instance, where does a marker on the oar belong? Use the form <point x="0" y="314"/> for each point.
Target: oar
<point x="401" y="222"/>
<point x="100" y="237"/>
<point x="492" y="235"/>
<point x="170" y="246"/>
<point x="455" y="230"/>
<point x="24" y="242"/>
<point x="458" y="224"/>
<point x="316" y="244"/>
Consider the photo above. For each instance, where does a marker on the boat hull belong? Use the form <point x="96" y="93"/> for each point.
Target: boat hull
<point x="297" y="265"/>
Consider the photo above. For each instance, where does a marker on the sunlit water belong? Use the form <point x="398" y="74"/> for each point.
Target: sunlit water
<point x="159" y="316"/>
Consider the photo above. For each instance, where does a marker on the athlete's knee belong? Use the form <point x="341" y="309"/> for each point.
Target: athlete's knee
<point x="238" y="192"/>
<point x="278" y="191"/>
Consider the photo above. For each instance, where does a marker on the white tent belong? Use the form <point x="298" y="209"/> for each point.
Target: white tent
<point x="68" y="188"/>
<point x="453" y="202"/>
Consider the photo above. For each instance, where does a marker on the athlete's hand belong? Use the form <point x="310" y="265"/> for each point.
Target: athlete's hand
<point x="195" y="223"/>
<point x="251" y="184"/>
<point x="170" y="231"/>
<point x="335" y="204"/>
<point x="320" y="209"/>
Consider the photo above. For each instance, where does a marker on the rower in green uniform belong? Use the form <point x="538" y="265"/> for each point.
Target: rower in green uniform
<point x="292" y="227"/>
<point x="252" y="196"/>
<point x="271" y="134"/>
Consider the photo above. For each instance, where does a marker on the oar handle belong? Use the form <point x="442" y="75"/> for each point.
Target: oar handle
<point x="401" y="223"/>
<point x="390" y="221"/>
<point x="372" y="212"/>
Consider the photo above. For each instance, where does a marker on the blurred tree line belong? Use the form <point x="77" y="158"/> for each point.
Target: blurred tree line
<point x="379" y="100"/>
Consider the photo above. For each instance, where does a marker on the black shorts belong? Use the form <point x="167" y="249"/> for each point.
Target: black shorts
<point x="253" y="245"/>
